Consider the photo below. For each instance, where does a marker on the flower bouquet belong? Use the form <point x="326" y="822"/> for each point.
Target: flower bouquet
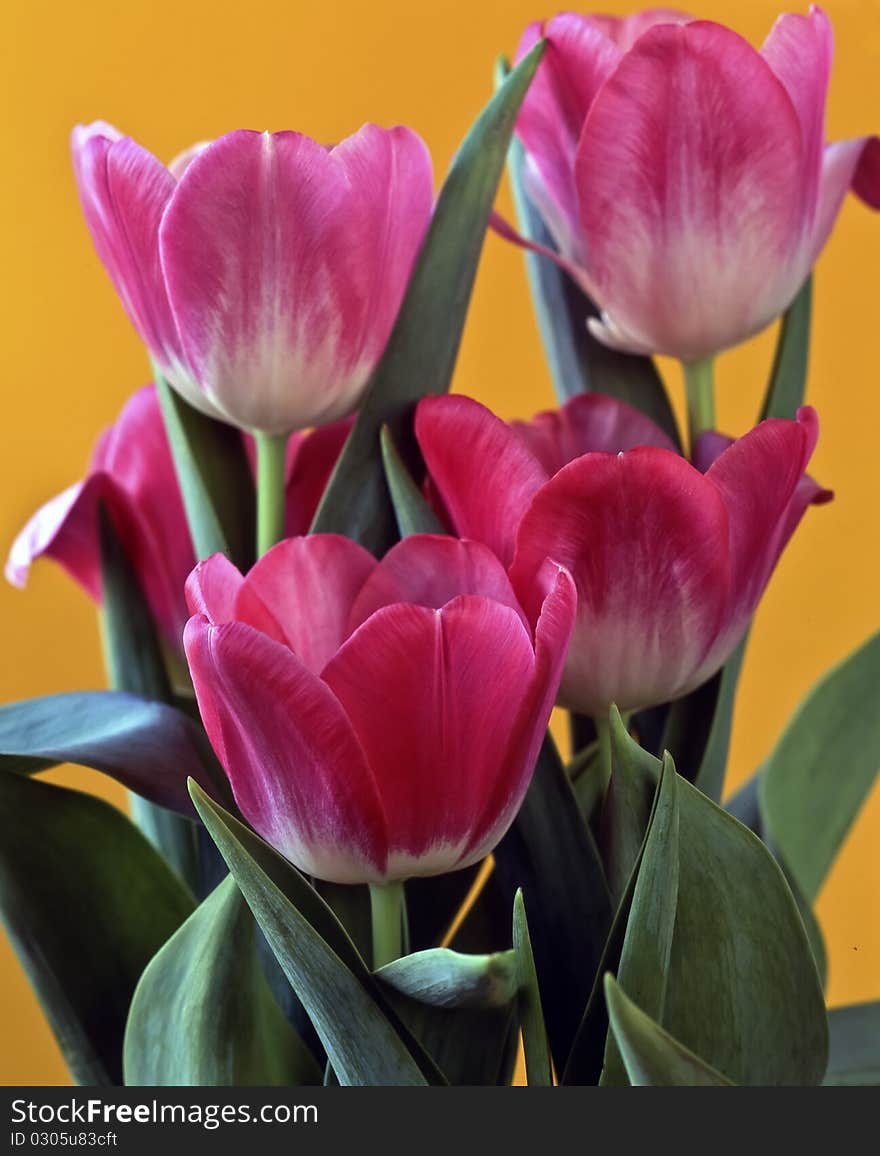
<point x="338" y="605"/>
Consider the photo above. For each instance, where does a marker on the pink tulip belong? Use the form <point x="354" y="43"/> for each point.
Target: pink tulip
<point x="669" y="563"/>
<point x="132" y="472"/>
<point x="262" y="271"/>
<point x="377" y="720"/>
<point x="683" y="175"/>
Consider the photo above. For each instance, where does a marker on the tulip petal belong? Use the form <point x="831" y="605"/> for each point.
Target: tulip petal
<point x="847" y="164"/>
<point x="431" y="695"/>
<point x="644" y="536"/>
<point x="301" y="593"/>
<point x="484" y="473"/>
<point x="65" y="528"/>
<point x="431" y="570"/>
<point x="687" y="170"/>
<point x="212" y="589"/>
<point x="311" y="460"/>
<point x="296" y="768"/>
<point x="588" y="423"/>
<point x="286" y="264"/>
<point x="625" y="30"/>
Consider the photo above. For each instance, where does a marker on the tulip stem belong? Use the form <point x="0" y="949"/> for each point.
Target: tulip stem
<point x="699" y="382"/>
<point x="271" y="482"/>
<point x="386" y="904"/>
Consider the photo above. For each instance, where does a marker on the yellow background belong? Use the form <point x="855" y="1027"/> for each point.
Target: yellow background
<point x="170" y="72"/>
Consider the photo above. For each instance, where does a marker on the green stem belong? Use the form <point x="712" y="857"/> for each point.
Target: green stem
<point x="386" y="904"/>
<point x="699" y="382"/>
<point x="271" y="469"/>
<point x="603" y="734"/>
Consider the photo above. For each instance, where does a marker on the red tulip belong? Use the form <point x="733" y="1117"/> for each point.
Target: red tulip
<point x="377" y="720"/>
<point x="683" y="175"/>
<point x="132" y="472"/>
<point x="262" y="271"/>
<point x="669" y="563"/>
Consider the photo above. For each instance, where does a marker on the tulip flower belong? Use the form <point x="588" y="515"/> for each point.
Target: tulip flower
<point x="132" y="473"/>
<point x="669" y="563"/>
<point x="684" y="176"/>
<point x="377" y="720"/>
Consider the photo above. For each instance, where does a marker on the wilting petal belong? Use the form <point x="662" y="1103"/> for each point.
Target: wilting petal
<point x="286" y="264"/>
<point x="301" y="593"/>
<point x="429" y="692"/>
<point x="644" y="536"/>
<point x="688" y="169"/>
<point x="431" y="570"/>
<point x="588" y="423"/>
<point x="483" y="472"/>
<point x="297" y="771"/>
<point x="65" y="529"/>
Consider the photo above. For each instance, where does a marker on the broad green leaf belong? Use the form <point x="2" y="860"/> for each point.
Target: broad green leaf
<point x="215" y="479"/>
<point x="421" y="352"/>
<point x="551" y="855"/>
<point x="411" y="509"/>
<point x="818" y="775"/>
<point x="202" y="1013"/>
<point x="87" y="902"/>
<point x="539" y="1069"/>
<point x="643" y="971"/>
<point x="578" y="362"/>
<point x="854" y="1045"/>
<point x="653" y="1059"/>
<point x="147" y="746"/>
<point x="788" y="378"/>
<point x="320" y="961"/>
<point x="445" y="978"/>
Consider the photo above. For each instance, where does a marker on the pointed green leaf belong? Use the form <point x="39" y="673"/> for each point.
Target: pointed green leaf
<point x="788" y="378"/>
<point x="320" y="961"/>
<point x="86" y="902"/>
<point x="819" y="774"/>
<point x="215" y="479"/>
<point x="854" y="1045"/>
<point x="652" y="1057"/>
<point x="539" y="1069"/>
<point x="411" y="509"/>
<point x="421" y="352"/>
<point x="551" y="855"/>
<point x="627" y="807"/>
<point x="445" y="978"/>
<point x="202" y="1013"/>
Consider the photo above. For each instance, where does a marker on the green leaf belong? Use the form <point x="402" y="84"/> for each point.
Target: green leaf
<point x="147" y="746"/>
<point x="788" y="378"/>
<point x="854" y="1045"/>
<point x="578" y="362"/>
<point x="202" y="1013"/>
<point x="550" y="854"/>
<point x="539" y="1069"/>
<point x="411" y="509"/>
<point x="320" y="961"/>
<point x="215" y="479"/>
<point x="444" y="978"/>
<point x="818" y="775"/>
<point x="421" y="352"/>
<point x="653" y="1059"/>
<point x="86" y="902"/>
<point x="643" y="971"/>
<point x="627" y="807"/>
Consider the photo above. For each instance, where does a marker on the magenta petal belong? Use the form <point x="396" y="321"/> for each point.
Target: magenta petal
<point x="588" y="423"/>
<point x="297" y="771"/>
<point x="301" y="593"/>
<point x="483" y="472"/>
<point x="848" y="164"/>
<point x="433" y="696"/>
<point x="212" y="589"/>
<point x="431" y="570"/>
<point x="311" y="460"/>
<point x="65" y="529"/>
<point x="625" y="30"/>
<point x="644" y="536"/>
<point x="688" y="169"/>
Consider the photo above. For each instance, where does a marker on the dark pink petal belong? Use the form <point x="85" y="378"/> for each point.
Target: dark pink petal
<point x="301" y="593"/>
<point x="296" y="768"/>
<point x="431" y="570"/>
<point x="286" y="264"/>
<point x="689" y="172"/>
<point x="848" y="164"/>
<point x="64" y="529"/>
<point x="212" y="589"/>
<point x="434" y="696"/>
<point x="483" y="472"/>
<point x="645" y="538"/>
<point x="577" y="60"/>
<point x="311" y="460"/>
<point x="625" y="30"/>
<point x="710" y="445"/>
<point x="588" y="423"/>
